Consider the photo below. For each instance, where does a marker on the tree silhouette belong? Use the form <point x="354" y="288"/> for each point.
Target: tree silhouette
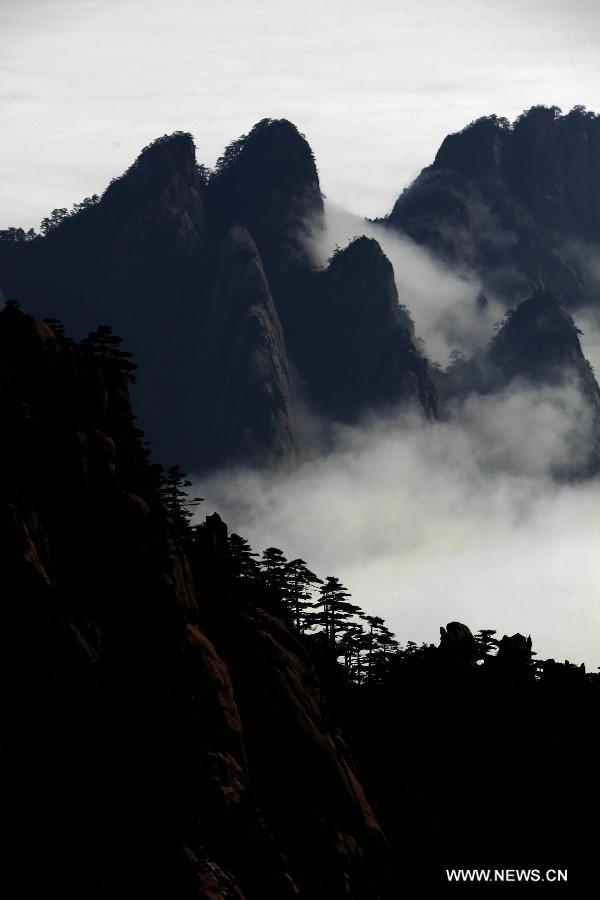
<point x="105" y="347"/>
<point x="299" y="584"/>
<point x="243" y="558"/>
<point x="173" y="493"/>
<point x="16" y="235"/>
<point x="53" y="220"/>
<point x="334" y="610"/>
<point x="485" y="642"/>
<point x="274" y="566"/>
<point x="351" y="644"/>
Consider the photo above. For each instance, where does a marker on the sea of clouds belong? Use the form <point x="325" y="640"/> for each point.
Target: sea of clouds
<point x="461" y="519"/>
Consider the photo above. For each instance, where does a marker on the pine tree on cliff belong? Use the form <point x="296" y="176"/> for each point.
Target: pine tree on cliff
<point x="334" y="610"/>
<point x="243" y="561"/>
<point x="300" y="582"/>
<point x="105" y="347"/>
<point x="374" y="623"/>
<point x="353" y="642"/>
<point x="380" y="644"/>
<point x="274" y="566"/>
<point x="173" y="493"/>
<point x="485" y="642"/>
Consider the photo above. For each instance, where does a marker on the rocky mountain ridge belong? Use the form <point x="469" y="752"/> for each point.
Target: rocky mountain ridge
<point x="518" y="203"/>
<point x="148" y="259"/>
<point x="208" y="278"/>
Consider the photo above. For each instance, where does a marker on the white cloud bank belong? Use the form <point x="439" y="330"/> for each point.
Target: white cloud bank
<point x="453" y="521"/>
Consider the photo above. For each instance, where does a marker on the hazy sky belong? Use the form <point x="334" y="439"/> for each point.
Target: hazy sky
<point x="375" y="86"/>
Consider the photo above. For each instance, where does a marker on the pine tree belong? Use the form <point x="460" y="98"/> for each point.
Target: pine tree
<point x="173" y="493"/>
<point x="381" y="644"/>
<point x="299" y="585"/>
<point x="352" y="643"/>
<point x="105" y="347"/>
<point x="244" y="564"/>
<point x="274" y="566"/>
<point x="485" y="642"/>
<point x="334" y="610"/>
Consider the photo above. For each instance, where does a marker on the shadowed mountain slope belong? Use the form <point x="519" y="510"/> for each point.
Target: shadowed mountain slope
<point x="207" y="279"/>
<point x="519" y="204"/>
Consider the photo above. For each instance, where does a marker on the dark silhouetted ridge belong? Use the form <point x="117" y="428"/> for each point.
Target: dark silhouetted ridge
<point x="267" y="181"/>
<point x="362" y="354"/>
<point x="539" y="341"/>
<point x="517" y="203"/>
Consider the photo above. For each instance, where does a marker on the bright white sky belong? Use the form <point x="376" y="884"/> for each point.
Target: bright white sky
<point x="375" y="86"/>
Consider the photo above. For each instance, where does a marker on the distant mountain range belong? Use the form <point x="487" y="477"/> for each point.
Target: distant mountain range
<point x="207" y="277"/>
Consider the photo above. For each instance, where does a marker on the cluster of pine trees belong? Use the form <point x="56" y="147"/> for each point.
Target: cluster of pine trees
<point x="320" y="608"/>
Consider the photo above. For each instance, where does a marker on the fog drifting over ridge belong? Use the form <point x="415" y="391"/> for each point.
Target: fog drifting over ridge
<point x="457" y="520"/>
<point x="461" y="519"/>
<point x="441" y="302"/>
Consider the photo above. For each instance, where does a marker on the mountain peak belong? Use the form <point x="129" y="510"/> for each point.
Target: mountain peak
<point x="167" y="157"/>
<point x="539" y="334"/>
<point x="267" y="181"/>
<point x="177" y="149"/>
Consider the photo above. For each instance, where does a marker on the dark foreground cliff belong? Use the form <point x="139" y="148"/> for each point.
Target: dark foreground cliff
<point x="164" y="734"/>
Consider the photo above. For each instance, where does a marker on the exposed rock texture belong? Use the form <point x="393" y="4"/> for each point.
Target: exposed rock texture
<point x="520" y="204"/>
<point x="162" y="734"/>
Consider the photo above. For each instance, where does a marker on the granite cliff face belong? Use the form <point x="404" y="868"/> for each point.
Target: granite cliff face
<point x="519" y="204"/>
<point x="163" y="731"/>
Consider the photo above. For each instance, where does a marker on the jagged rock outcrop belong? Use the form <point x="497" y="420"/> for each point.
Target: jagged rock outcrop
<point x="457" y="643"/>
<point x="145" y="693"/>
<point x="362" y="355"/>
<point x="243" y="370"/>
<point x="515" y="650"/>
<point x="519" y="204"/>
